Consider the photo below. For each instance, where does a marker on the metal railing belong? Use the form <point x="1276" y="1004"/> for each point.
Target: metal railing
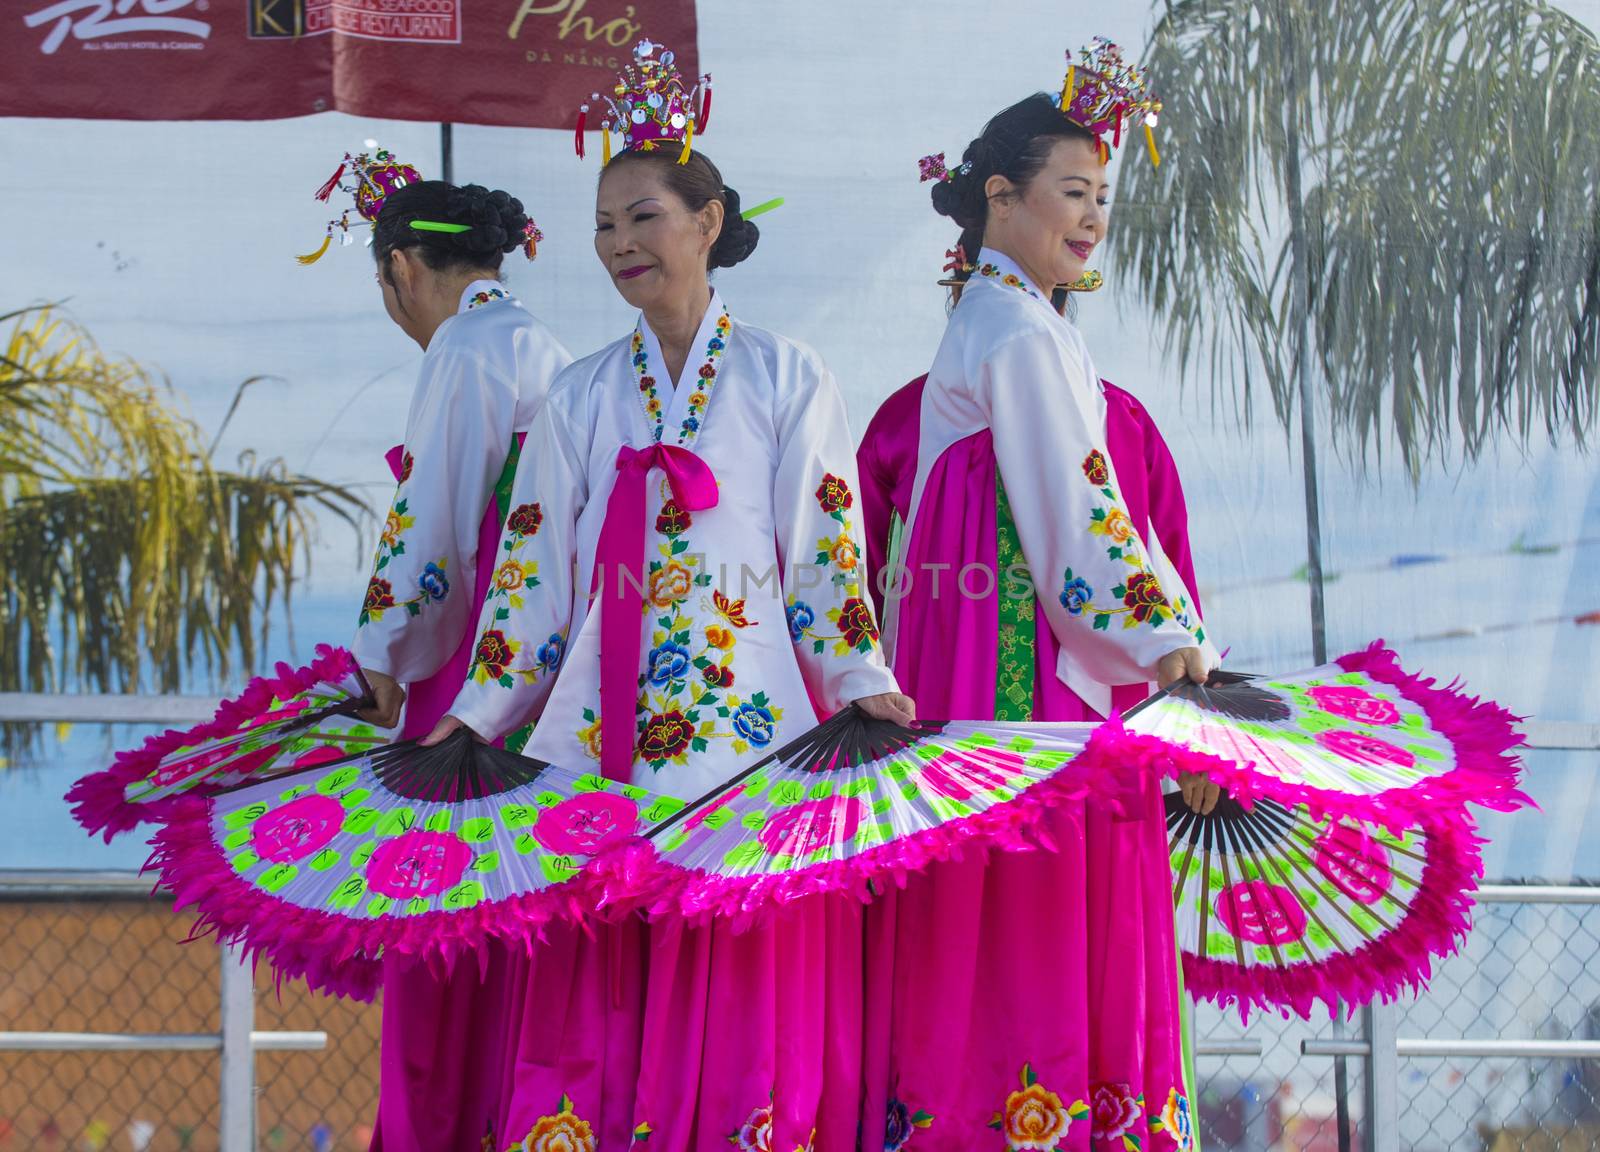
<point x="1381" y="1046"/>
<point x="238" y="1039"/>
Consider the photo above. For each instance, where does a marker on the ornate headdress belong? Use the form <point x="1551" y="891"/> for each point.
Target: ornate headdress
<point x="1102" y="90"/>
<point x="649" y="106"/>
<point x="373" y="176"/>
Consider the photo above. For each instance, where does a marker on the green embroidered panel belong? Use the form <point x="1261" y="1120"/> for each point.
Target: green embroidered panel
<point x="502" y="486"/>
<point x="1014" y="670"/>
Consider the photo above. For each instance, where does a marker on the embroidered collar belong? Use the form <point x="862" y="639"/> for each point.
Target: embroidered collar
<point x="715" y="329"/>
<point x="997" y="266"/>
<point x="479" y="293"/>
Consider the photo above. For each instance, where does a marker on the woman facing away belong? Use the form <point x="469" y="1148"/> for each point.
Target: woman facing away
<point x="1035" y="993"/>
<point x="487" y="365"/>
<point x="659" y="607"/>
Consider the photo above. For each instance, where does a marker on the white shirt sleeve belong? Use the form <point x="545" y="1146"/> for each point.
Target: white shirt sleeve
<point x="830" y="617"/>
<point x="524" y="625"/>
<point x="1114" y="609"/>
<point x="458" y="435"/>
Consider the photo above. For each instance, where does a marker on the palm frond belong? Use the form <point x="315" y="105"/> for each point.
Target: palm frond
<point x="1451" y="174"/>
<point x="130" y="559"/>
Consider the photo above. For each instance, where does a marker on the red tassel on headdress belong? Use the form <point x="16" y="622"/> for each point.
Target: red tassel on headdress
<point x="1116" y="128"/>
<point x="705" y="106"/>
<point x="333" y="182"/>
<point x="577" y="135"/>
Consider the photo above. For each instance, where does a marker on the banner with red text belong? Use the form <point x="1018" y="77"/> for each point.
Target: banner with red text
<point x="517" y="62"/>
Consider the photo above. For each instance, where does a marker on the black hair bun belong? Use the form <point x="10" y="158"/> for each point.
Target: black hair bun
<point x="961" y="196"/>
<point x="738" y="237"/>
<point x="496" y="219"/>
<point x="946" y="200"/>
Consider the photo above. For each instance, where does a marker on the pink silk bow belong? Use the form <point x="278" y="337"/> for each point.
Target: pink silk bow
<point x="619" y="577"/>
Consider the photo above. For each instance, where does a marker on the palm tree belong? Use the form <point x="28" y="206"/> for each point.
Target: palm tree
<point x="127" y="555"/>
<point x="1385" y="208"/>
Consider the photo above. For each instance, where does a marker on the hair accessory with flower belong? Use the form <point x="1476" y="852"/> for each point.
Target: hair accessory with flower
<point x="649" y="105"/>
<point x="374" y="175"/>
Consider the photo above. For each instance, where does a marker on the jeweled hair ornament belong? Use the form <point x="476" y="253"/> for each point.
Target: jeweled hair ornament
<point x="372" y="176"/>
<point x="649" y="106"/>
<point x="1102" y="91"/>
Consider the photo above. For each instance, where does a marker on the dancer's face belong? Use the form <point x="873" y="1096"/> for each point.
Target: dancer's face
<point x="652" y="245"/>
<point x="1052" y="225"/>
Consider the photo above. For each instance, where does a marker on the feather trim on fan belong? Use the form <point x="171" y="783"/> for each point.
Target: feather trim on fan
<point x="100" y="800"/>
<point x="1480" y="736"/>
<point x="1272" y="880"/>
<point x="970" y="785"/>
<point x="427" y="852"/>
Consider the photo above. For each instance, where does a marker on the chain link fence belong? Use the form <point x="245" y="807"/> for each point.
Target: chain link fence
<point x="1275" y="1100"/>
<point x="1527" y="971"/>
<point x="116" y="962"/>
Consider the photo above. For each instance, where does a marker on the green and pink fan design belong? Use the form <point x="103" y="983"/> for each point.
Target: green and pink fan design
<point x="1278" y="909"/>
<point x="427" y="851"/>
<point x="853" y="801"/>
<point x="297" y="718"/>
<point x="1343" y="858"/>
<point x="1341" y="862"/>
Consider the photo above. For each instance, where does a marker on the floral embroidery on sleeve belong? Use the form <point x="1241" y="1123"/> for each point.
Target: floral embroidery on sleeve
<point x="838" y="553"/>
<point x="857" y="631"/>
<point x="433" y="584"/>
<point x="833" y="496"/>
<point x="800" y="616"/>
<point x="495" y="658"/>
<point x="1140" y="598"/>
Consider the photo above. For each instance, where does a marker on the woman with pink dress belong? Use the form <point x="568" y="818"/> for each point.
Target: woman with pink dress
<point x="679" y="594"/>
<point x="1035" y="994"/>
